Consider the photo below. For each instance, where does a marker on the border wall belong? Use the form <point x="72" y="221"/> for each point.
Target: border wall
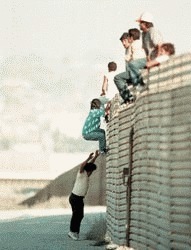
<point x="148" y="168"/>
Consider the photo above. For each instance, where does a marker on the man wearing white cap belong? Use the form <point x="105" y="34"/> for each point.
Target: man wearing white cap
<point x="151" y="37"/>
<point x="151" y="40"/>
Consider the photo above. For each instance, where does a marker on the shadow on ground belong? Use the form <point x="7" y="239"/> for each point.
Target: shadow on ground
<point x="63" y="184"/>
<point x="45" y="233"/>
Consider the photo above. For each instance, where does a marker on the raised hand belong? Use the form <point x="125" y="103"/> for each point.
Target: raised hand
<point x="91" y="155"/>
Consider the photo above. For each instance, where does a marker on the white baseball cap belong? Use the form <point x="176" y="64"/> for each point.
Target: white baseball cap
<point x="146" y="17"/>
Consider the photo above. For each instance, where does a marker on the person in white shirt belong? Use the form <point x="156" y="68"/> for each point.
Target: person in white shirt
<point x="125" y="43"/>
<point x="109" y="88"/>
<point x="151" y="42"/>
<point x="135" y="52"/>
<point x="165" y="51"/>
<point x="79" y="191"/>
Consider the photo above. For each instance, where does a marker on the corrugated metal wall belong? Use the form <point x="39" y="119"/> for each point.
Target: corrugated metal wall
<point x="151" y="208"/>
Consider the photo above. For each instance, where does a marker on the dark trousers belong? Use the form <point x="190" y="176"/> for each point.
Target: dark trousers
<point x="77" y="204"/>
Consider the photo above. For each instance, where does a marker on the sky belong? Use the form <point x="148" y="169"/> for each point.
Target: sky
<point x="77" y="38"/>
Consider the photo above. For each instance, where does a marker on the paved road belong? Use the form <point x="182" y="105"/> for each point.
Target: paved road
<point x="27" y="231"/>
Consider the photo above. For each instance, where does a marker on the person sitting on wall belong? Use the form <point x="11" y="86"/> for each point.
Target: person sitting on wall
<point x="79" y="192"/>
<point x="135" y="51"/>
<point x="125" y="43"/>
<point x="122" y="77"/>
<point x="164" y="52"/>
<point x="151" y="40"/>
<point x="91" y="130"/>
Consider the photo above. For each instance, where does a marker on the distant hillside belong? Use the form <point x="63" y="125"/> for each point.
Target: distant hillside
<point x="63" y="184"/>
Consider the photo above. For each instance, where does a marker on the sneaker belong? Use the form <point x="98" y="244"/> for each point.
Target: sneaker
<point x="140" y="88"/>
<point x="102" y="152"/>
<point x="111" y="246"/>
<point x="73" y="235"/>
<point x="131" y="98"/>
<point x="105" y="151"/>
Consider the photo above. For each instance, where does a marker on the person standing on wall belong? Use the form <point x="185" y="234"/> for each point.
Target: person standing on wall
<point x="109" y="89"/>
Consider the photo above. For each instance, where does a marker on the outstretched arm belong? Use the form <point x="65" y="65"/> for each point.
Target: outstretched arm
<point x="85" y="162"/>
<point x="95" y="156"/>
<point x="151" y="64"/>
<point x="104" y="86"/>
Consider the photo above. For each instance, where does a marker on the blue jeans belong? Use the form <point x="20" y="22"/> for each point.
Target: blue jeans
<point x="134" y="70"/>
<point x="122" y="81"/>
<point x="104" y="100"/>
<point x="97" y="135"/>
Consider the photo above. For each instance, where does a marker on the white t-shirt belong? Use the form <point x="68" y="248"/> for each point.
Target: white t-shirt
<point x="112" y="89"/>
<point x="162" y="58"/>
<point x="136" y="51"/>
<point x="81" y="184"/>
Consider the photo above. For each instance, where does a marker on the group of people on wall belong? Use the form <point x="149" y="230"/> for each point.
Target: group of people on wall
<point x="144" y="49"/>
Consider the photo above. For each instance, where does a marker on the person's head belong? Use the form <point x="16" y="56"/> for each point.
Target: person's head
<point x="89" y="168"/>
<point x="112" y="66"/>
<point x="134" y="34"/>
<point x="124" y="40"/>
<point x="145" y="21"/>
<point x="167" y="49"/>
<point x="95" y="104"/>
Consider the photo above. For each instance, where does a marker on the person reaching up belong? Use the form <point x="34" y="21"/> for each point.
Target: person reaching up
<point x="78" y="193"/>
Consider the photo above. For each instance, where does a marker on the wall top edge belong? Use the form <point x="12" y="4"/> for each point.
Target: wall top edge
<point x="173" y="62"/>
<point x="173" y="74"/>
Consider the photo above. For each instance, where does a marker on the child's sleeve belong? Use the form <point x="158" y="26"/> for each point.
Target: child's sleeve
<point x="162" y="58"/>
<point x="99" y="112"/>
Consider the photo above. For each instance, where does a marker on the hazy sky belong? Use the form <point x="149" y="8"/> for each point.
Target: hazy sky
<point x="54" y="27"/>
<point x="78" y="38"/>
